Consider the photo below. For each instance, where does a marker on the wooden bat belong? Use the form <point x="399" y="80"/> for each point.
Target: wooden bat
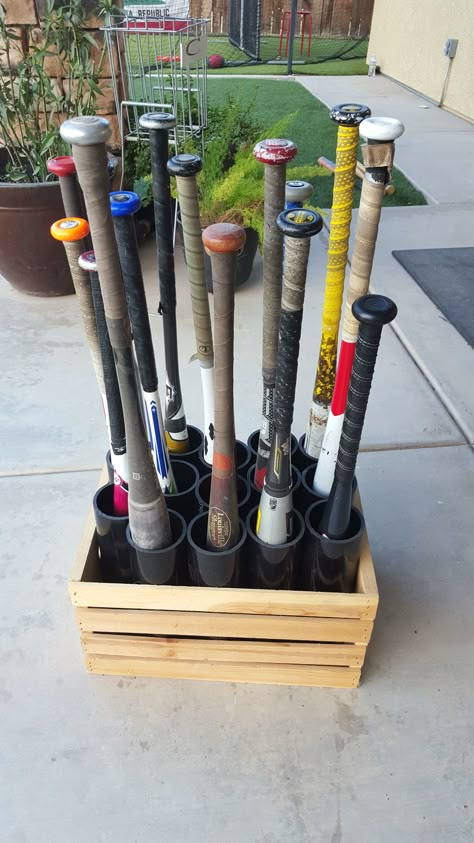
<point x="185" y="169"/>
<point x="222" y="242"/>
<point x="380" y="132"/>
<point x="113" y="404"/>
<point x="275" y="515"/>
<point x="372" y="312"/>
<point x="124" y="204"/>
<point x="148" y="514"/>
<point x="159" y="125"/>
<point x="274" y="154"/>
<point x="348" y="118"/>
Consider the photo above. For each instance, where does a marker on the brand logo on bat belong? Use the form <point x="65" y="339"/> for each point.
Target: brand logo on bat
<point x="299" y="217"/>
<point x="219" y="527"/>
<point x="69" y="224"/>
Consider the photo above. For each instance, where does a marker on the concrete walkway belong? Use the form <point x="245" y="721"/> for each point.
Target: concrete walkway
<point x="108" y="759"/>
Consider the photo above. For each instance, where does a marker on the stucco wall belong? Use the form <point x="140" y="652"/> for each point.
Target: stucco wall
<point x="407" y="37"/>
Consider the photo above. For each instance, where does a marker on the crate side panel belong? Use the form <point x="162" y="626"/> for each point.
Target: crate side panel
<point x="203" y="649"/>
<point x="266" y="674"/>
<point x="214" y="624"/>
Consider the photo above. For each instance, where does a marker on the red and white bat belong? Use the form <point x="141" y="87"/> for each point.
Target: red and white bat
<point x="380" y="133"/>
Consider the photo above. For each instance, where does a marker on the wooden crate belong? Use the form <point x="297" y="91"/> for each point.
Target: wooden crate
<point x="229" y="634"/>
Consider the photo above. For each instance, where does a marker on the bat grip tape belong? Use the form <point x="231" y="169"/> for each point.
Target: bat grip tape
<point x="359" y="389"/>
<point x="112" y="393"/>
<point x="136" y="300"/>
<point x="163" y="218"/>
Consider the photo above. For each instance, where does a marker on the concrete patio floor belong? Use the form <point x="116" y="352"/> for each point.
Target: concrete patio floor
<point x="88" y="758"/>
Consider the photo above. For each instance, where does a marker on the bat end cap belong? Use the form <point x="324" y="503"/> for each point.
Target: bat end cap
<point x="124" y="203"/>
<point x="157" y="120"/>
<point x="275" y="151"/>
<point x="223" y="237"/>
<point x="374" y="309"/>
<point x="381" y="129"/>
<point x="349" y="113"/>
<point x="300" y="223"/>
<point x="62" y="165"/>
<point x="69" y="229"/>
<point x="88" y="262"/>
<point x="86" y="130"/>
<point x="184" y="165"/>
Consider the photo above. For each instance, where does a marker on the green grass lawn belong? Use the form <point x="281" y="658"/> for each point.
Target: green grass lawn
<point x="336" y="67"/>
<point x="311" y="129"/>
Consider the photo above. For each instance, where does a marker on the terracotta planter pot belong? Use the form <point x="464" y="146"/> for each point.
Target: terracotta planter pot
<point x="30" y="260"/>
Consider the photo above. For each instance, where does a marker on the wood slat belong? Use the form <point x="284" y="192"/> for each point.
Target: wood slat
<point x="203" y="649"/>
<point x="214" y="624"/>
<point x="234" y="600"/>
<point x="266" y="674"/>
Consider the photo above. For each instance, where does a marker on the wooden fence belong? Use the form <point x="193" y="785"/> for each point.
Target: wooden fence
<point x="331" y="18"/>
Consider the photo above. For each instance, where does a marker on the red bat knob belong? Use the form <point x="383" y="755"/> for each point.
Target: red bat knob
<point x="275" y="151"/>
<point x="223" y="237"/>
<point x="61" y="166"/>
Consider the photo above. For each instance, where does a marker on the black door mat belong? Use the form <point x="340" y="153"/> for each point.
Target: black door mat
<point x="447" y="278"/>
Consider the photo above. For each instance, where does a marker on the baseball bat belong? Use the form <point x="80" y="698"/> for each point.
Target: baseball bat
<point x="159" y="125"/>
<point x="348" y="117"/>
<point x="380" y="132"/>
<point x="297" y="193"/>
<point x="359" y="171"/>
<point x="113" y="405"/>
<point x="274" y="155"/>
<point x="372" y="312"/>
<point x="275" y="514"/>
<point x="222" y="242"/>
<point x="185" y="169"/>
<point x="148" y="514"/>
<point x="64" y="168"/>
<point x="73" y="231"/>
<point x="124" y="204"/>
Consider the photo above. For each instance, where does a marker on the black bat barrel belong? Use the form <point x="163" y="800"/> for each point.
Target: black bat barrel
<point x="373" y="312"/>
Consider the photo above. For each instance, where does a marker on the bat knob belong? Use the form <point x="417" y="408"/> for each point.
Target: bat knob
<point x="381" y="129"/>
<point x="88" y="262"/>
<point x="374" y="310"/>
<point x="349" y="113"/>
<point x="86" y="130"/>
<point x="157" y="120"/>
<point x="70" y="229"/>
<point x="223" y="237"/>
<point x="298" y="191"/>
<point x="184" y="165"/>
<point x="63" y="165"/>
<point x="299" y="222"/>
<point x="275" y="151"/>
<point x="124" y="203"/>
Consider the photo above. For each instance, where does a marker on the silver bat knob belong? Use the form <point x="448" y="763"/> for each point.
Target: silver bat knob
<point x="86" y="130"/>
<point x="157" y="120"/>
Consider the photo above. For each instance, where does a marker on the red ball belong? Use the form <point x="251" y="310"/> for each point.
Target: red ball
<point x="216" y="61"/>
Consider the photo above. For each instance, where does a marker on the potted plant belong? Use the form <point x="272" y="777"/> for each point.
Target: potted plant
<point x="231" y="183"/>
<point x="46" y="76"/>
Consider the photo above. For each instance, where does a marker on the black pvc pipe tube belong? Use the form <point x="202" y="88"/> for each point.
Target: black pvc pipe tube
<point x="115" y="557"/>
<point x="203" y="491"/>
<point x="273" y="566"/>
<point x="184" y="500"/>
<point x="329" y="564"/>
<point x="213" y="568"/>
<point x="192" y="455"/>
<point x="301" y="457"/>
<point x="165" y="566"/>
<point x="243" y="458"/>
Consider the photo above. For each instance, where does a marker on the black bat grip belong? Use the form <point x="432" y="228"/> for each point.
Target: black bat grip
<point x="126" y="237"/>
<point x="373" y="312"/>
<point x="163" y="218"/>
<point x="112" y="392"/>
